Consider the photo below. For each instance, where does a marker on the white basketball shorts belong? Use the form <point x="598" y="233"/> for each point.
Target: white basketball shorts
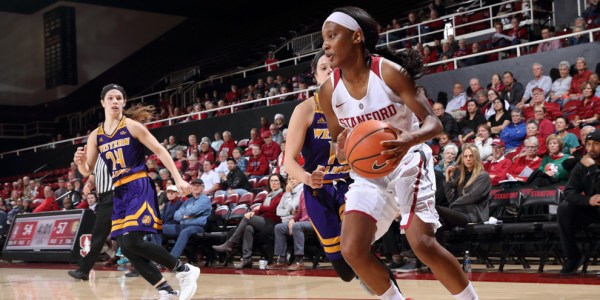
<point x="408" y="190"/>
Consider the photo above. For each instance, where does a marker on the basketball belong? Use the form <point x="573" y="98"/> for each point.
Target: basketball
<point x="363" y="149"/>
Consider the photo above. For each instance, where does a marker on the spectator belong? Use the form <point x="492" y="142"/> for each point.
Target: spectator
<point x="595" y="79"/>
<point x="255" y="139"/>
<point x="193" y="144"/>
<point x="560" y="87"/>
<point x="172" y="146"/>
<point x="287" y="208"/>
<point x="264" y="125"/>
<point x="581" y="151"/>
<point x="468" y="126"/>
<point x="456" y="105"/>
<point x="474" y="87"/>
<point x="449" y="123"/>
<point x="525" y="165"/>
<point x="483" y="141"/>
<point x="164" y="176"/>
<point x="207" y="153"/>
<point x="216" y="144"/>
<point x="193" y="168"/>
<point x="548" y="45"/>
<point x="448" y="158"/>
<point x="48" y="204"/>
<point x="578" y="39"/>
<point x="240" y="161"/>
<point x="67" y="204"/>
<point x="533" y="130"/>
<point x="279" y="122"/>
<point x="271" y="61"/>
<point x="270" y="149"/>
<point x="497" y="165"/>
<point x="167" y="214"/>
<point x="513" y="134"/>
<point x="467" y="188"/>
<point x="221" y="168"/>
<point x="62" y="188"/>
<point x="551" y="169"/>
<point x="500" y="40"/>
<point x="233" y="95"/>
<point x="446" y="50"/>
<point x="181" y="162"/>
<point x="210" y="179"/>
<point x="275" y="133"/>
<point x="583" y="74"/>
<point x="263" y="221"/>
<point x="258" y="165"/>
<point x="475" y="60"/>
<point x="500" y="119"/>
<point x="462" y="49"/>
<point x="541" y="82"/>
<point x="513" y="91"/>
<point x="74" y="195"/>
<point x="589" y="108"/>
<point x="546" y="127"/>
<point x="516" y="32"/>
<point x="235" y="181"/>
<point x="570" y="140"/>
<point x="228" y="144"/>
<point x="582" y="200"/>
<point x="447" y="66"/>
<point x="192" y="216"/>
<point x="496" y="83"/>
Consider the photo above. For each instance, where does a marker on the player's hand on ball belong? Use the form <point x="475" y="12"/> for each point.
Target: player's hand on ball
<point x="315" y="179"/>
<point x="340" y="152"/>
<point x="398" y="147"/>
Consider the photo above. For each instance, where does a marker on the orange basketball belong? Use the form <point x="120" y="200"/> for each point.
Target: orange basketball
<point x="363" y="149"/>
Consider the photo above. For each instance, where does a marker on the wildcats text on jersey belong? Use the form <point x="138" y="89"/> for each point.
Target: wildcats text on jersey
<point x="380" y="115"/>
<point x="114" y="144"/>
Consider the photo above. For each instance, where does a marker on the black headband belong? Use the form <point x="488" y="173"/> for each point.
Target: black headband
<point x="112" y="87"/>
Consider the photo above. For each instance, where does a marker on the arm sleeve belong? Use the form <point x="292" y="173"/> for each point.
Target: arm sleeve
<point x="575" y="186"/>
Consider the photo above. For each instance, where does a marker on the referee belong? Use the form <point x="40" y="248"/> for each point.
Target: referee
<point x="102" y="224"/>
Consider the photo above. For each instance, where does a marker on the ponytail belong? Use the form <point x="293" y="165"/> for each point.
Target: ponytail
<point x="140" y="113"/>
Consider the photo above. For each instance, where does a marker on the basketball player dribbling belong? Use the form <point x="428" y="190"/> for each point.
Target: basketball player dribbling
<point x="120" y="142"/>
<point x="362" y="87"/>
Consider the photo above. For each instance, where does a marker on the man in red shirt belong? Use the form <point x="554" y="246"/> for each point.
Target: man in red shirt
<point x="228" y="144"/>
<point x="258" y="165"/>
<point x="255" y="139"/>
<point x="48" y="204"/>
<point x="497" y="165"/>
<point x="270" y="149"/>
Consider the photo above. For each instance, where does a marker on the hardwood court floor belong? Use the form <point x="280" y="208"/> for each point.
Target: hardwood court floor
<point x="50" y="281"/>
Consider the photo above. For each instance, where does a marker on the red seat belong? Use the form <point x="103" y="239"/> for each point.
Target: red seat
<point x="218" y="200"/>
<point x="232" y="199"/>
<point x="263" y="182"/>
<point x="222" y="210"/>
<point x="260" y="197"/>
<point x="246" y="198"/>
<point x="252" y="182"/>
<point x="255" y="207"/>
<point x="243" y="143"/>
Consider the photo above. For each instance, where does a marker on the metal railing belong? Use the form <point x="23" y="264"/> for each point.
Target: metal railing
<point x="168" y="121"/>
<point x="455" y="60"/>
<point x="27" y="130"/>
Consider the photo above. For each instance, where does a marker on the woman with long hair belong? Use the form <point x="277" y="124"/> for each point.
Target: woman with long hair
<point x="262" y="220"/>
<point x="467" y="188"/>
<point x="587" y="111"/>
<point x="362" y="84"/>
<point x="500" y="119"/>
<point x="120" y="141"/>
<point x="468" y="126"/>
<point x="483" y="141"/>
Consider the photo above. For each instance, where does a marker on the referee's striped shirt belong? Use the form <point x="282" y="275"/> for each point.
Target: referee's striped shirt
<point x="103" y="179"/>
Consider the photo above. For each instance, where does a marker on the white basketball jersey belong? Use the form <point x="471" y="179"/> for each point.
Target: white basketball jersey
<point x="380" y="102"/>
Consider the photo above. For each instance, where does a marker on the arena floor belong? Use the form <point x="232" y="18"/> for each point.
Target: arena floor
<point x="50" y="281"/>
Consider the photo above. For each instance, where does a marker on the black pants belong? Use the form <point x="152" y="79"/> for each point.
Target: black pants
<point x="100" y="232"/>
<point x="572" y="218"/>
<point x="142" y="253"/>
<point x="449" y="218"/>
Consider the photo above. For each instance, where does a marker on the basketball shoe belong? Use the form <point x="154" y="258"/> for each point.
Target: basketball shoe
<point x="188" y="282"/>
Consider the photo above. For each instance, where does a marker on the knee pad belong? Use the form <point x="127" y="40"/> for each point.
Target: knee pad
<point x="343" y="270"/>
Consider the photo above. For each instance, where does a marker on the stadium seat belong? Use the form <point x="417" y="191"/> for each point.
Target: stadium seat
<point x="222" y="211"/>
<point x="243" y="143"/>
<point x="232" y="200"/>
<point x="246" y="198"/>
<point x="252" y="182"/>
<point x="260" y="197"/>
<point x="263" y="182"/>
<point x="218" y="200"/>
<point x="236" y="215"/>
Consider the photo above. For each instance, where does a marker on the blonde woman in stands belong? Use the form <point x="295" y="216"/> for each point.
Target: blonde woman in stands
<point x="120" y="141"/>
